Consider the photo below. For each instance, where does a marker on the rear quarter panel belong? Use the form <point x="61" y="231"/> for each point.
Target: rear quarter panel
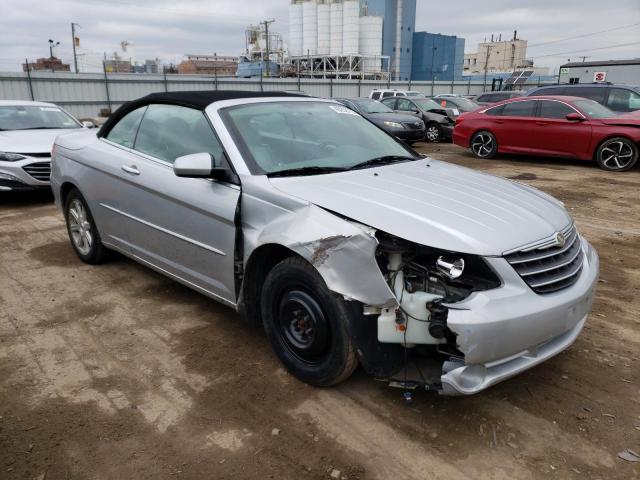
<point x="93" y="167"/>
<point x="602" y="132"/>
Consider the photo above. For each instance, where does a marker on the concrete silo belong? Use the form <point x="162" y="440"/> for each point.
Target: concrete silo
<point x="335" y="18"/>
<point x="295" y="28"/>
<point x="324" y="33"/>
<point x="309" y="27"/>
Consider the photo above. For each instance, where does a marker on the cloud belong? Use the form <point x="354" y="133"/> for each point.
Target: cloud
<point x="167" y="29"/>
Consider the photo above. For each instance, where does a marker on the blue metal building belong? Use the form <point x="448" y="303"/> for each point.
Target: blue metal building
<point x="399" y="48"/>
<point x="437" y="57"/>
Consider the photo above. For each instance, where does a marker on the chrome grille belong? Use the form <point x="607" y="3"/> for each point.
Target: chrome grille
<point x="548" y="269"/>
<point x="40" y="170"/>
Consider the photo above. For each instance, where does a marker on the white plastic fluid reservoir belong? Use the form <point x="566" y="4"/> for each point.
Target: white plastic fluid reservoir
<point x="414" y="315"/>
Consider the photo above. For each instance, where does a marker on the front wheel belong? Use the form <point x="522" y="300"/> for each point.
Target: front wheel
<point x="617" y="155"/>
<point x="307" y="325"/>
<point x="433" y="133"/>
<point x="483" y="145"/>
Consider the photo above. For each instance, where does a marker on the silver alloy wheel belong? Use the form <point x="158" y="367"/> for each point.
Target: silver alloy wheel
<point x="616" y="154"/>
<point x="433" y="133"/>
<point x="80" y="227"/>
<point x="482" y="145"/>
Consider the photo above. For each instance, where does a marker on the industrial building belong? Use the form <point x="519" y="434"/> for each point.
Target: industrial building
<point x="264" y="53"/>
<point x="437" y="57"/>
<point x="351" y="38"/>
<point x="221" y="65"/>
<point x="614" y="71"/>
<point x="398" y="27"/>
<point x="51" y="64"/>
<point x="498" y="56"/>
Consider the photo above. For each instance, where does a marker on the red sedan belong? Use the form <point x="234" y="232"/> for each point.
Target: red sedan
<point x="555" y="126"/>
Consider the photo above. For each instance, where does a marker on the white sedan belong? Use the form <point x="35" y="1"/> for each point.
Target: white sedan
<point x="27" y="132"/>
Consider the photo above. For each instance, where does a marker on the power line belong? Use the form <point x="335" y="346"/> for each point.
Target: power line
<point x="583" y="35"/>
<point x="586" y="50"/>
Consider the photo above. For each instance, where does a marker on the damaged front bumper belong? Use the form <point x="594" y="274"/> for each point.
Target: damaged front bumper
<point x="507" y="330"/>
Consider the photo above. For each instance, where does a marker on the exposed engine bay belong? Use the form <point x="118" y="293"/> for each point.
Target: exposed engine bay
<point x="427" y="282"/>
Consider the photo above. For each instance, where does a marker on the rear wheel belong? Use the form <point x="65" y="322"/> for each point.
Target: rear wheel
<point x="307" y="325"/>
<point x="82" y="229"/>
<point x="483" y="145"/>
<point x="433" y="133"/>
<point x="617" y="154"/>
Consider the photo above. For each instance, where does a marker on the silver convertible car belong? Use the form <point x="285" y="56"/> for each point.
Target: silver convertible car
<point x="347" y="246"/>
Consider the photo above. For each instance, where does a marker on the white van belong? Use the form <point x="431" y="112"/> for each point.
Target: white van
<point x="380" y="93"/>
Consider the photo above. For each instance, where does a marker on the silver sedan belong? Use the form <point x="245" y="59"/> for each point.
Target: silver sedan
<point x="27" y="132"/>
<point x="347" y="246"/>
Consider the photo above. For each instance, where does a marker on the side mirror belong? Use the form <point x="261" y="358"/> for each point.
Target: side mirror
<point x="88" y="124"/>
<point x="415" y="110"/>
<point x="198" y="165"/>
<point x="575" y="117"/>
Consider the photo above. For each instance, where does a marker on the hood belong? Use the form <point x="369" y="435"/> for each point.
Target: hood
<point x="392" y="117"/>
<point x="437" y="204"/>
<point x="31" y="141"/>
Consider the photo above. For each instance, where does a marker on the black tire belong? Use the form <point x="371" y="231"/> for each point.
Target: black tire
<point x="307" y="325"/>
<point x="483" y="144"/>
<point x="617" y="154"/>
<point x="92" y="252"/>
<point x="433" y="132"/>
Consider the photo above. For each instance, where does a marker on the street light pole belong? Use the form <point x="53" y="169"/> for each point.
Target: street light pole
<point x="52" y="44"/>
<point x="433" y="53"/>
<point x="433" y="77"/>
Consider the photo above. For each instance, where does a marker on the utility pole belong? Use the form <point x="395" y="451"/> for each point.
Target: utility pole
<point x="73" y="43"/>
<point x="486" y="66"/>
<point x="266" y="24"/>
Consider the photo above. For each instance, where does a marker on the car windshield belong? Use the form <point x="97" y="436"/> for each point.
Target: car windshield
<point x="426" y="103"/>
<point x="372" y="106"/>
<point x="308" y="137"/>
<point x="594" y="109"/>
<point x="31" y="117"/>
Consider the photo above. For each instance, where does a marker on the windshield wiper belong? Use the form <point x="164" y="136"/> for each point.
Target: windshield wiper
<point x="385" y="160"/>
<point x="294" y="172"/>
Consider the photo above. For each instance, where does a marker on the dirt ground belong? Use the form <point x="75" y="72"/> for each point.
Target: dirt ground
<point x="115" y="372"/>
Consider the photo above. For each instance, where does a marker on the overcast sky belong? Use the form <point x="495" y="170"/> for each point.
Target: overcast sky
<point x="169" y="29"/>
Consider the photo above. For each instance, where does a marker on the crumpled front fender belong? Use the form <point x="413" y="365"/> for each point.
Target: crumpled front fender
<point x="342" y="251"/>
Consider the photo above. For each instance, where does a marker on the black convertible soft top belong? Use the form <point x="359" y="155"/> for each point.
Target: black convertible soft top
<point x="196" y="99"/>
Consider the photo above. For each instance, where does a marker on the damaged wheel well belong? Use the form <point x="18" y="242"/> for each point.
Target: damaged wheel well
<point x="262" y="260"/>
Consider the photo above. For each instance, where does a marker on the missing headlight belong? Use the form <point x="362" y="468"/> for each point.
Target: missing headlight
<point x="425" y="269"/>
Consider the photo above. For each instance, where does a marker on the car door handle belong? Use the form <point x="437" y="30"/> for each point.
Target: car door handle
<point x="542" y="123"/>
<point x="498" y="121"/>
<point x="132" y="169"/>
